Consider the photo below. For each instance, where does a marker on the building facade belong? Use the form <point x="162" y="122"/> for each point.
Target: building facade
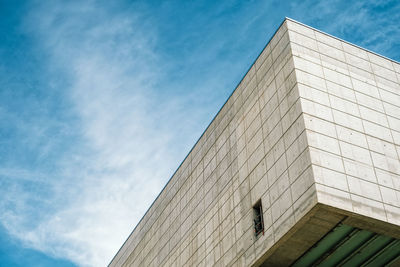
<point x="301" y="166"/>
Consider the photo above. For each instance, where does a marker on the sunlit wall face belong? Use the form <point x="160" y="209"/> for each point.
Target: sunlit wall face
<point x="314" y="121"/>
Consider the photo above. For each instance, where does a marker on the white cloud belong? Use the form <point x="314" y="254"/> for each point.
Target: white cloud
<point x="126" y="128"/>
<point x="124" y="156"/>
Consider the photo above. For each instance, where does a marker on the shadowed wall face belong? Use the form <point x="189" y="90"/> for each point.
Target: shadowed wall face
<point x="314" y="120"/>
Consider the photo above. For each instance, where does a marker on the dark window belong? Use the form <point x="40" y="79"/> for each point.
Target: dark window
<point x="258" y="218"/>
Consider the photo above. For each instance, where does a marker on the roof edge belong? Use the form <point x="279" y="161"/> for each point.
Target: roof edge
<point x="208" y="126"/>
<point x="213" y="119"/>
<point x="342" y="40"/>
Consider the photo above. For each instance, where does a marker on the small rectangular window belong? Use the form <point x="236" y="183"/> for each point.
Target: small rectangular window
<point x="258" y="218"/>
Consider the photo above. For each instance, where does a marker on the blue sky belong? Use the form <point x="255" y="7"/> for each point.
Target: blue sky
<point x="100" y="101"/>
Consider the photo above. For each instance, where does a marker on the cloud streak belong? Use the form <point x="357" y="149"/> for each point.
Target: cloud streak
<point x="127" y="88"/>
<point x="123" y="155"/>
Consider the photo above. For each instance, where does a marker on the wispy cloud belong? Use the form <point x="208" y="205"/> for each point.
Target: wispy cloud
<point x="119" y="135"/>
<point x="127" y="88"/>
<point x="123" y="155"/>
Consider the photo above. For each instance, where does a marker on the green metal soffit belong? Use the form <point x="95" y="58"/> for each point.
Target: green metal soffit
<point x="349" y="246"/>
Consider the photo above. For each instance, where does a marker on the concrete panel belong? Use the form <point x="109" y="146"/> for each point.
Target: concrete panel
<point x="311" y="131"/>
<point x="360" y="85"/>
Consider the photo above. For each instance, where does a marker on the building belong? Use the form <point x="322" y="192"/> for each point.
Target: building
<point x="300" y="166"/>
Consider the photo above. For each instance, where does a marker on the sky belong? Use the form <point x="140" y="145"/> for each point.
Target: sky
<point x="100" y="101"/>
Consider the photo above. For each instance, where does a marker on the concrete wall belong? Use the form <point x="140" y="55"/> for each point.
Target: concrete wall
<point x="351" y="103"/>
<point x="314" y="120"/>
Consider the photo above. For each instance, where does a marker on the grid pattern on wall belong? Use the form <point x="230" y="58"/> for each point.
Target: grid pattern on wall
<point x="315" y="119"/>
<point x="204" y="215"/>
<point x="351" y="104"/>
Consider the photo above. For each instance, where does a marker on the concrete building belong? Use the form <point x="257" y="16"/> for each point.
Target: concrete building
<point x="300" y="166"/>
